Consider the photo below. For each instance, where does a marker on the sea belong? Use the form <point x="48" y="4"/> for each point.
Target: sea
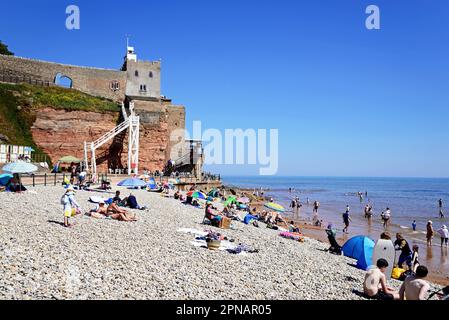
<point x="409" y="199"/>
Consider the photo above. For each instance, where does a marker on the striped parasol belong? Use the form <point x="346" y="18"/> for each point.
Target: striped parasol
<point x="196" y="195"/>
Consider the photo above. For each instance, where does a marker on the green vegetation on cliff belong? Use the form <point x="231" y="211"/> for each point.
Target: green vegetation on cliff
<point x="19" y="104"/>
<point x="59" y="98"/>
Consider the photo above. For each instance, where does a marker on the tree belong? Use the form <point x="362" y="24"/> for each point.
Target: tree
<point x="4" y="49"/>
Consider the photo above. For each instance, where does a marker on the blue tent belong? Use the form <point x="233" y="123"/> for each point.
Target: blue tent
<point x="4" y="178"/>
<point x="361" y="249"/>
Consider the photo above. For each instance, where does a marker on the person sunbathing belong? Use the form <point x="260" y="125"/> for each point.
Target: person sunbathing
<point x="100" y="212"/>
<point x="117" y="213"/>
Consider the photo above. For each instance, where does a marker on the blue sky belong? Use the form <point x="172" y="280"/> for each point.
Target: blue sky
<point x="347" y="101"/>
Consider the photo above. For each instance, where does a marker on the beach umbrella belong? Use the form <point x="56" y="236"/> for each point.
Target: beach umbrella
<point x="274" y="206"/>
<point x="213" y="193"/>
<point x="69" y="159"/>
<point x="132" y="182"/>
<point x="4" y="178"/>
<point x="230" y="200"/>
<point x="243" y="200"/>
<point x="359" y="248"/>
<point x="19" y="167"/>
<point x="196" y="195"/>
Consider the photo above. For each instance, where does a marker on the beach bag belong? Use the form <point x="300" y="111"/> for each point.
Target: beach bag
<point x="397" y="272"/>
<point x="405" y="274"/>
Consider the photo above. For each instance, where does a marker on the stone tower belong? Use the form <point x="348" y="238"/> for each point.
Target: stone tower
<point x="143" y="78"/>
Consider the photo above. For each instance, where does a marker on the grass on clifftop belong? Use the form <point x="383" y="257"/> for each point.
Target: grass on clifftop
<point x="59" y="98"/>
<point x="19" y="104"/>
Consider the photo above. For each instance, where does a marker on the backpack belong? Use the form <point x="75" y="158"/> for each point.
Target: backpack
<point x="64" y="199"/>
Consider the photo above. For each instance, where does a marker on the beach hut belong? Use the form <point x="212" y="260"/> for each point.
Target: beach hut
<point x="361" y="249"/>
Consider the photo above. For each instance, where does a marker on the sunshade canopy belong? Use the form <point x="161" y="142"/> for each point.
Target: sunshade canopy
<point x="69" y="159"/>
<point x="19" y="167"/>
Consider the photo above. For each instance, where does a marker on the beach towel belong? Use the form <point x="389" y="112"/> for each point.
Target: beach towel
<point x="292" y="236"/>
<point x="224" y="246"/>
<point x="192" y="231"/>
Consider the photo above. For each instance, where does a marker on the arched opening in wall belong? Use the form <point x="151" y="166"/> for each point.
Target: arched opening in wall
<point x="63" y="81"/>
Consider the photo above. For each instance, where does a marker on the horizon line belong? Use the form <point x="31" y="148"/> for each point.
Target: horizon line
<point x="331" y="176"/>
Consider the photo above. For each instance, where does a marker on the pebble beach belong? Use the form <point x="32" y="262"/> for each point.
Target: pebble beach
<point x="151" y="259"/>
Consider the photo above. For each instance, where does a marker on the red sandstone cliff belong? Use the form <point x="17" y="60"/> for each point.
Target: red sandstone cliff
<point x="60" y="133"/>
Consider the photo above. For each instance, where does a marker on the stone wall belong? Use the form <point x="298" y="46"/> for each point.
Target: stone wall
<point x="93" y="81"/>
<point x="176" y="125"/>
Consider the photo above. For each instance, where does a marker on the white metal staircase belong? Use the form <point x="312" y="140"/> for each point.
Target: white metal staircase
<point x="133" y="123"/>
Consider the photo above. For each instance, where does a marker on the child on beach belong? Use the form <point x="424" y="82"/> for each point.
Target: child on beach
<point x="415" y="262"/>
<point x="414" y="286"/>
<point x="414" y="225"/>
<point x="70" y="205"/>
<point x="375" y="284"/>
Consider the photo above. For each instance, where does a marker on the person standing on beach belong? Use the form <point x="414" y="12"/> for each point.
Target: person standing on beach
<point x="316" y="206"/>
<point x="406" y="253"/>
<point x="386" y="215"/>
<point x="429" y="233"/>
<point x="444" y="234"/>
<point x="440" y="206"/>
<point x="414" y="225"/>
<point x="415" y="255"/>
<point x="368" y="211"/>
<point x="298" y="205"/>
<point x="346" y="220"/>
<point x="70" y="205"/>
<point x="347" y="208"/>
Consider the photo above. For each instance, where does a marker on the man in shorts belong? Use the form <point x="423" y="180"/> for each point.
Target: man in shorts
<point x="375" y="284"/>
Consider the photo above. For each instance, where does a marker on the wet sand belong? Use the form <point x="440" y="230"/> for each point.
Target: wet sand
<point x="435" y="258"/>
